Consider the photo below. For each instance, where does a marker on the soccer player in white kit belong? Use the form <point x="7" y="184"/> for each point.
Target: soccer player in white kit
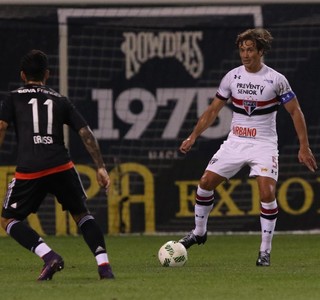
<point x="255" y="91"/>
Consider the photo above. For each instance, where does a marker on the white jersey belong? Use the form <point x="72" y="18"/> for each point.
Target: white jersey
<point x="255" y="100"/>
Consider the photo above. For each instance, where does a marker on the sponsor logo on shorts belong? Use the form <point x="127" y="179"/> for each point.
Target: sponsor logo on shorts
<point x="264" y="169"/>
<point x="244" y="131"/>
<point x="274" y="172"/>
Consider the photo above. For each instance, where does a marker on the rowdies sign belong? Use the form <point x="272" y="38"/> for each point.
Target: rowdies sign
<point x="143" y="46"/>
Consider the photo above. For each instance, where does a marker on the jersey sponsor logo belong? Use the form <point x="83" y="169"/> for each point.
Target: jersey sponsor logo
<point x="24" y="91"/>
<point x="244" y="131"/>
<point x="38" y="139"/>
<point x="38" y="90"/>
<point x="250" y="89"/>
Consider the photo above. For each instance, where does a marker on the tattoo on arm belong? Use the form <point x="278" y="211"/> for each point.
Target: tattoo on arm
<point x="92" y="146"/>
<point x="3" y="128"/>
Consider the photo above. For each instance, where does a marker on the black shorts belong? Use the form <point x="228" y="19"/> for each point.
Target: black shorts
<point x="25" y="196"/>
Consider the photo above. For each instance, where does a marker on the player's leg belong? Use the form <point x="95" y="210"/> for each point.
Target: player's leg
<point x="225" y="163"/>
<point x="69" y="191"/>
<point x="30" y="240"/>
<point x="264" y="166"/>
<point x="268" y="217"/>
<point x="203" y="206"/>
<point x="22" y="198"/>
<point x="94" y="238"/>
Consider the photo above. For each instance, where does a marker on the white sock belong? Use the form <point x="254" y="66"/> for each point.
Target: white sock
<point x="201" y="212"/>
<point x="42" y="249"/>
<point x="268" y="219"/>
<point x="102" y="259"/>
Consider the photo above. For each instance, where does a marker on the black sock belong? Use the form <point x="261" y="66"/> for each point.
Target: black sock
<point x="24" y="235"/>
<point x="92" y="234"/>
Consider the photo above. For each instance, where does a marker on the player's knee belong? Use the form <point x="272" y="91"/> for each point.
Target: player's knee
<point x="78" y="217"/>
<point x="204" y="184"/>
<point x="5" y="222"/>
<point x="267" y="197"/>
<point x="210" y="180"/>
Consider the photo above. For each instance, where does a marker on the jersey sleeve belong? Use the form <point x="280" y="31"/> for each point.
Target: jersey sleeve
<point x="6" y="108"/>
<point x="283" y="90"/>
<point x="224" y="90"/>
<point x="75" y="120"/>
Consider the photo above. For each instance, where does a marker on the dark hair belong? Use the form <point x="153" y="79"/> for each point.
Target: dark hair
<point x="34" y="64"/>
<point x="261" y="37"/>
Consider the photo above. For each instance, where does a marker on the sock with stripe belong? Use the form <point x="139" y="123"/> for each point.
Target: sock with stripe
<point x="94" y="238"/>
<point x="27" y="238"/>
<point x="202" y="209"/>
<point x="268" y="219"/>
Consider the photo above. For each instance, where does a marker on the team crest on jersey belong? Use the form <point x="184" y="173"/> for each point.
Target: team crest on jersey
<point x="249" y="106"/>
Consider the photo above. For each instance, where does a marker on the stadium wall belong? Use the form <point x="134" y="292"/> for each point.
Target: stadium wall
<point x="142" y="75"/>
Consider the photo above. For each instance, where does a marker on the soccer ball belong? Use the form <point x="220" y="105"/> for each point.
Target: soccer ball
<point x="172" y="254"/>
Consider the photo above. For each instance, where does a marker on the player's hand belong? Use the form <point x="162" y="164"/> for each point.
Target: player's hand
<point x="186" y="145"/>
<point x="306" y="157"/>
<point x="103" y="178"/>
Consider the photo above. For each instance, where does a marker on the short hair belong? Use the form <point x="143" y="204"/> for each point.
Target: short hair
<point x="34" y="64"/>
<point x="261" y="37"/>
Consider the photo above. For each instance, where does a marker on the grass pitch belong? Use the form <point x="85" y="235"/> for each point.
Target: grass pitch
<point x="222" y="269"/>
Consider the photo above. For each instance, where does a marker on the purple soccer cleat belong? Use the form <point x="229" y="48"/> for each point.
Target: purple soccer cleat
<point x="53" y="265"/>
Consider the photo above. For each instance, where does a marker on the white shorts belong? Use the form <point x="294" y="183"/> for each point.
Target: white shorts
<point x="262" y="158"/>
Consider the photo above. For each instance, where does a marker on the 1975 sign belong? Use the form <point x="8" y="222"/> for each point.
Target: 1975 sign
<point x="183" y="98"/>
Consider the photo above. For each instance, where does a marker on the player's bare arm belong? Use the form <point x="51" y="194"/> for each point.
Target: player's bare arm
<point x="206" y="119"/>
<point x="305" y="154"/>
<point x="3" y="129"/>
<point x="93" y="148"/>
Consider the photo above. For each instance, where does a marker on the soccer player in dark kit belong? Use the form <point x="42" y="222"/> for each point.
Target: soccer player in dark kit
<point x="44" y="166"/>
